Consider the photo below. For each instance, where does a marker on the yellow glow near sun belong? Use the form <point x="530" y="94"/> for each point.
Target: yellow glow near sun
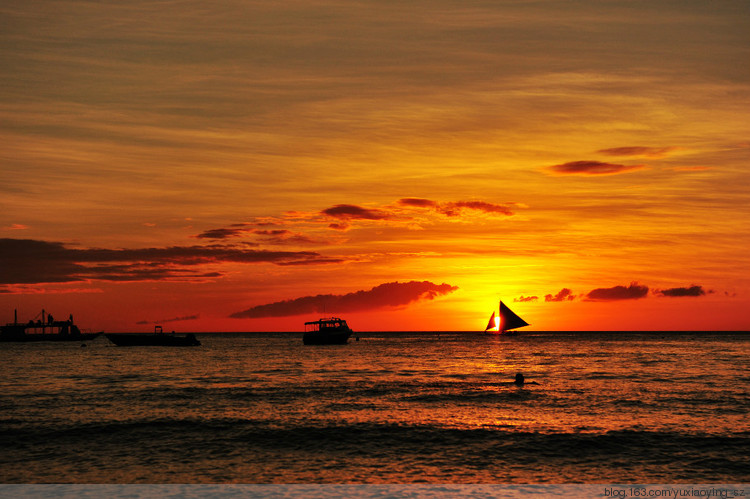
<point x="497" y="323"/>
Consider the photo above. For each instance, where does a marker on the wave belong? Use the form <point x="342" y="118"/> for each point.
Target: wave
<point x="342" y="434"/>
<point x="341" y="450"/>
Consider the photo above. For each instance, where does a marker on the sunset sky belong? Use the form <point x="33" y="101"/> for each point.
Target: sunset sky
<point x="241" y="165"/>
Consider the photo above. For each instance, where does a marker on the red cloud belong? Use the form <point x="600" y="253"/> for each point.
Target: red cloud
<point x="392" y="294"/>
<point x="525" y="298"/>
<point x="632" y="292"/>
<point x="592" y="168"/>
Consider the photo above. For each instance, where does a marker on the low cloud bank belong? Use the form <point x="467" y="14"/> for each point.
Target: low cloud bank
<point x="391" y="294"/>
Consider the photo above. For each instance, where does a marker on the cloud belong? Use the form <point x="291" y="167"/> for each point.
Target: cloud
<point x="16" y="227"/>
<point x="343" y="216"/>
<point x="648" y="152"/>
<point x="684" y="291"/>
<point x="284" y="236"/>
<point x="592" y="168"/>
<point x="563" y="295"/>
<point x="632" y="292"/>
<point x="223" y="233"/>
<point x="353" y="212"/>
<point x="454" y="208"/>
<point x="175" y="319"/>
<point x="692" y="168"/>
<point x="28" y="261"/>
<point x="418" y="202"/>
<point x="526" y="298"/>
<point x="270" y="236"/>
<point x="392" y="294"/>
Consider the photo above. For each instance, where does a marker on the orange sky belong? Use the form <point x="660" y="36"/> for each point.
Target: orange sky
<point x="187" y="163"/>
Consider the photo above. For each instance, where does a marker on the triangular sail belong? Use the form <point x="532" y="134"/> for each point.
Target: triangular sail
<point x="509" y="319"/>
<point x="491" y="324"/>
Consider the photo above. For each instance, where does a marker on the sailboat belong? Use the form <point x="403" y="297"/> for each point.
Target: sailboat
<point x="508" y="322"/>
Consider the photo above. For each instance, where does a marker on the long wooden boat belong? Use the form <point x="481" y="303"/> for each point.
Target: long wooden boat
<point x="158" y="338"/>
<point x="44" y="329"/>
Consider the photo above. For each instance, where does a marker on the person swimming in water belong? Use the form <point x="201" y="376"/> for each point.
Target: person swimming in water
<point x="520" y="381"/>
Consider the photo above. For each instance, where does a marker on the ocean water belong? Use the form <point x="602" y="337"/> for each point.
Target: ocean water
<point x="391" y="408"/>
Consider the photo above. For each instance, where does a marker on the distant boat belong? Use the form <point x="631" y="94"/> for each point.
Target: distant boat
<point x="508" y="322"/>
<point x="331" y="331"/>
<point x="44" y="329"/>
<point x="158" y="338"/>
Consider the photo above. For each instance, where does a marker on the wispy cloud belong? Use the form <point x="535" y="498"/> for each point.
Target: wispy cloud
<point x="222" y="233"/>
<point x="455" y="208"/>
<point x="266" y="236"/>
<point x="392" y="294"/>
<point x="174" y="319"/>
<point x="591" y="168"/>
<point x="525" y="298"/>
<point x="639" y="151"/>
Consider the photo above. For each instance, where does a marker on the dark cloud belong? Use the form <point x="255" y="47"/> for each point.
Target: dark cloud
<point x="632" y="292"/>
<point x="650" y="152"/>
<point x="224" y="233"/>
<point x="685" y="291"/>
<point x="526" y="298"/>
<point x="392" y="294"/>
<point x="271" y="236"/>
<point x="353" y="212"/>
<point x="564" y="294"/>
<point x="28" y="261"/>
<point x="418" y="202"/>
<point x="592" y="168"/>
<point x="175" y="319"/>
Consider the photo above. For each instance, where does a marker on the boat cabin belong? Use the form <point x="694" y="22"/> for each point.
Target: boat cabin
<point x="329" y="324"/>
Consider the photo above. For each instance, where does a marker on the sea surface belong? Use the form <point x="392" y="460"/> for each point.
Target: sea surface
<point x="427" y="407"/>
